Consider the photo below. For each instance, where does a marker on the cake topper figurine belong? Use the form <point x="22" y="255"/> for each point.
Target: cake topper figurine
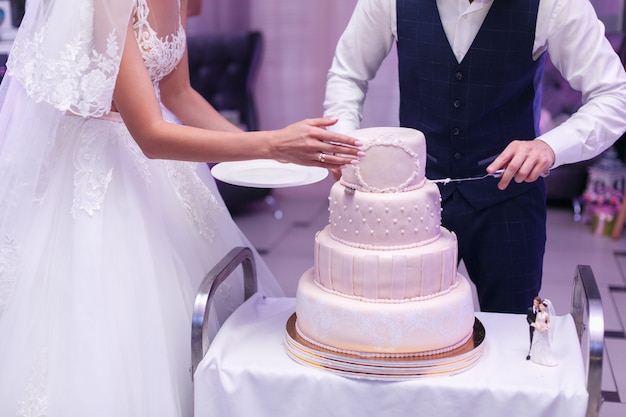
<point x="541" y="332"/>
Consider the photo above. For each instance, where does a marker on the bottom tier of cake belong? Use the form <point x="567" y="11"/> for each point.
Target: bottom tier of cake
<point x="418" y="327"/>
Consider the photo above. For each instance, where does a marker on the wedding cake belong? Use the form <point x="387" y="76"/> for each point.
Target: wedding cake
<point x="384" y="281"/>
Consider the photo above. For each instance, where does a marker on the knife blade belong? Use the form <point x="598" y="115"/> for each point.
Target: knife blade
<point x="496" y="174"/>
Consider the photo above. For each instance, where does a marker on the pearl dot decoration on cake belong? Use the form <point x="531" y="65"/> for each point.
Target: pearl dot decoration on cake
<point x="371" y="211"/>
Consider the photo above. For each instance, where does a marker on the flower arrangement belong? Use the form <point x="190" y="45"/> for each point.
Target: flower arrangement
<point x="604" y="196"/>
<point x="602" y="206"/>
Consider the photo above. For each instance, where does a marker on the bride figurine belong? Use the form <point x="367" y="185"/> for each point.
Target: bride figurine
<point x="541" y="349"/>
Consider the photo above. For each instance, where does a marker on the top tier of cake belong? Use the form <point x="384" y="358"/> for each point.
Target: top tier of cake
<point x="395" y="161"/>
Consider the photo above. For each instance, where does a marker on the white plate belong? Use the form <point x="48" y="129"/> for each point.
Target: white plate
<point x="267" y="173"/>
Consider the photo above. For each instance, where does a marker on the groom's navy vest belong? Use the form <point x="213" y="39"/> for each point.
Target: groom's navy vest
<point x="470" y="111"/>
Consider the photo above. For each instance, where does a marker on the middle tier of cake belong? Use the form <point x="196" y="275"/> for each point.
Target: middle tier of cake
<point x="401" y="274"/>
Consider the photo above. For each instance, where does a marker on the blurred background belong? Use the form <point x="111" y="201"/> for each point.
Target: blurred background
<point x="300" y="38"/>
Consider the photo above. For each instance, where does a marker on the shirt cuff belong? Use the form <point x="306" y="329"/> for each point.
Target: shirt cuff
<point x="343" y="126"/>
<point x="561" y="140"/>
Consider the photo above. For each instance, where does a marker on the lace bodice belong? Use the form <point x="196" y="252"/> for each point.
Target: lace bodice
<point x="160" y="53"/>
<point x="61" y="57"/>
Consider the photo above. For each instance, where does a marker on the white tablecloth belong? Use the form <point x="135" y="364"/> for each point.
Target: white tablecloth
<point x="247" y="373"/>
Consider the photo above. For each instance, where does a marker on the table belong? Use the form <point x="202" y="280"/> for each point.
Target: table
<point x="246" y="372"/>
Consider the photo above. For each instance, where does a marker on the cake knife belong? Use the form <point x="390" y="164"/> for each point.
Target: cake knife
<point x="444" y="181"/>
<point x="495" y="174"/>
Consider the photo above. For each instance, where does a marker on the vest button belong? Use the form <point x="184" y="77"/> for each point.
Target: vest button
<point x="459" y="75"/>
<point x="456" y="131"/>
<point x="456" y="104"/>
<point x="457" y="156"/>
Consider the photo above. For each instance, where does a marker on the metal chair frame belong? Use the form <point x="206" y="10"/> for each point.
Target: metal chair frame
<point x="206" y="292"/>
<point x="589" y="318"/>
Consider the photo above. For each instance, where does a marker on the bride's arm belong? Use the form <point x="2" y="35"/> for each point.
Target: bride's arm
<point x="135" y="99"/>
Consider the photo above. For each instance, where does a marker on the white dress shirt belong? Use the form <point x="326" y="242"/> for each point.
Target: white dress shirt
<point x="568" y="29"/>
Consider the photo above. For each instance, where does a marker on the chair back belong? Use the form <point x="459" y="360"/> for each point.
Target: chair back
<point x="223" y="68"/>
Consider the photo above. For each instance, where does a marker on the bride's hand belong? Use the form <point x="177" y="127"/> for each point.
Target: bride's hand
<point x="308" y="143"/>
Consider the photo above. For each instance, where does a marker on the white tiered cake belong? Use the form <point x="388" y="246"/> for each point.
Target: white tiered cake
<point x="385" y="281"/>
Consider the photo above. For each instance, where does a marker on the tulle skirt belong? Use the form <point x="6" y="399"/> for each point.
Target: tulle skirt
<point x="96" y="293"/>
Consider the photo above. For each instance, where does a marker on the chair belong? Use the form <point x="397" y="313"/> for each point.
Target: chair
<point x="586" y="312"/>
<point x="206" y="294"/>
<point x="589" y="319"/>
<point x="223" y="68"/>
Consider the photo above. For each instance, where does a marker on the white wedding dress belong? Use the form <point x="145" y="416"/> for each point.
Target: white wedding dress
<point x="97" y="282"/>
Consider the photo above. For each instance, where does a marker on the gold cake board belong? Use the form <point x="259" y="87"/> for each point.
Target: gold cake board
<point x="385" y="368"/>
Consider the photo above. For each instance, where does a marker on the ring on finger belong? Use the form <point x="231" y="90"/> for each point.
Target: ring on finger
<point x="321" y="157"/>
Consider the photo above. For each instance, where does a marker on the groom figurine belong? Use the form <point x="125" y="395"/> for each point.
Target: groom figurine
<point x="470" y="79"/>
<point x="531" y="315"/>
